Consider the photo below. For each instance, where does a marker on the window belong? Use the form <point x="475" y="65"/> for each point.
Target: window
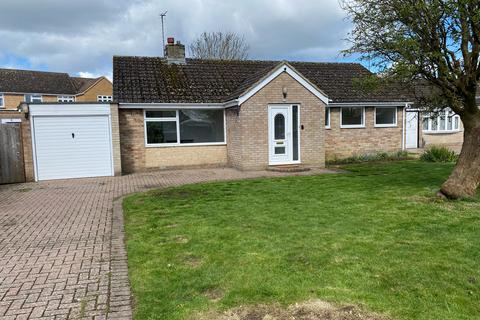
<point x="441" y="122"/>
<point x="353" y="117"/>
<point x="201" y="126"/>
<point x="385" y="117"/>
<point x="279" y="127"/>
<point x="295" y="132"/>
<point x="33" y="98"/>
<point x="327" y="118"/>
<point x="65" y="98"/>
<point x="184" y="127"/>
<point x="104" y="98"/>
<point x="2" y="100"/>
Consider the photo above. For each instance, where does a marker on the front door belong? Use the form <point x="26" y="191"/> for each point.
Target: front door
<point x="411" y="130"/>
<point x="283" y="134"/>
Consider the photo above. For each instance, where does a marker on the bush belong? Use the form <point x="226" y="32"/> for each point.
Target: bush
<point x="370" y="157"/>
<point x="439" y="154"/>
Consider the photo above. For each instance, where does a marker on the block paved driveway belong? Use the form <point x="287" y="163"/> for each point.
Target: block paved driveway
<point x="61" y="244"/>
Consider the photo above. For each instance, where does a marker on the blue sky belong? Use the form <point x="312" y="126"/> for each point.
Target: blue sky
<point x="80" y="37"/>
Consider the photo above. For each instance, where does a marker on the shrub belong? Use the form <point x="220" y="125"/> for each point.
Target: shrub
<point x="369" y="157"/>
<point x="439" y="154"/>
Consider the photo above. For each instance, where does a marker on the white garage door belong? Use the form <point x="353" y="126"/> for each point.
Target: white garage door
<point x="74" y="146"/>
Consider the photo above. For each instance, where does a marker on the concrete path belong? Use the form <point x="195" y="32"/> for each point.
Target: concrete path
<point x="61" y="246"/>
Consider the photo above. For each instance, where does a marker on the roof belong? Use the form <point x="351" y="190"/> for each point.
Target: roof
<point x="28" y="81"/>
<point x="153" y="80"/>
<point x="82" y="84"/>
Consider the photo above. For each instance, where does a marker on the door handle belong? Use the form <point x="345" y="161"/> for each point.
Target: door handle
<point x="73" y="135"/>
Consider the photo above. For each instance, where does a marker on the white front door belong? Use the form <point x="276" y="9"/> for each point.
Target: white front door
<point x="283" y="134"/>
<point x="411" y="130"/>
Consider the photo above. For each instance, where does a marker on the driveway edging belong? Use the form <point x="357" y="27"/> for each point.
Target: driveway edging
<point x="119" y="305"/>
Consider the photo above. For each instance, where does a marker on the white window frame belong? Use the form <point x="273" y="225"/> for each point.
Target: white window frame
<point x="352" y="126"/>
<point x="329" y="112"/>
<point x="66" y="98"/>
<point x="445" y="113"/>
<point x="2" y="97"/>
<point x="387" y="125"/>
<point x="101" y="98"/>
<point x="36" y="95"/>
<point x="177" y="121"/>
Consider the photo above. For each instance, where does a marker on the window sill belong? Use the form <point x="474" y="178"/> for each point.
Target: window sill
<point x="386" y="126"/>
<point x="172" y="145"/>
<point x="441" y="132"/>
<point x="352" y="127"/>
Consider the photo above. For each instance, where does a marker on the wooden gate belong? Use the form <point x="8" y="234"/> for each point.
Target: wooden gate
<point x="11" y="154"/>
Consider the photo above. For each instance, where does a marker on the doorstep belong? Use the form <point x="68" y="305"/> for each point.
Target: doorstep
<point x="288" y="168"/>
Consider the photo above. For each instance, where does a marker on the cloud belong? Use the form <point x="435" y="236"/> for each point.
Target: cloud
<point x="82" y="36"/>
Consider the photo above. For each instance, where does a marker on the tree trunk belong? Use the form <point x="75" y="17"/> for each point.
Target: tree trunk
<point x="465" y="177"/>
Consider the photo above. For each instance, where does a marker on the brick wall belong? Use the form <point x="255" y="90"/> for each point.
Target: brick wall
<point x="132" y="143"/>
<point x="185" y="156"/>
<point x="136" y="157"/>
<point x="346" y="142"/>
<point x="26" y="141"/>
<point x="12" y="101"/>
<point x="453" y="141"/>
<point x="248" y="131"/>
<point x="117" y="161"/>
<point x="101" y="88"/>
<point x="234" y="138"/>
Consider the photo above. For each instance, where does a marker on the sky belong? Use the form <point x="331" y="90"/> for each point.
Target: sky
<point x="81" y="36"/>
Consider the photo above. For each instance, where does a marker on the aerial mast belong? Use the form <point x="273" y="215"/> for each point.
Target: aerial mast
<point x="162" y="16"/>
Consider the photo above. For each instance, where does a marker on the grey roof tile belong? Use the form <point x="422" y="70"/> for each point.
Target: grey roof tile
<point x="152" y="79"/>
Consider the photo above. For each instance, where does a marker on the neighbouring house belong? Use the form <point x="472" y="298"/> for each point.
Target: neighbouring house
<point x="17" y="86"/>
<point x="24" y="86"/>
<point x="442" y="128"/>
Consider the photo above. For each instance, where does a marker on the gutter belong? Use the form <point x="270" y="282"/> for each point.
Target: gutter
<point x="370" y="104"/>
<point x="171" y="105"/>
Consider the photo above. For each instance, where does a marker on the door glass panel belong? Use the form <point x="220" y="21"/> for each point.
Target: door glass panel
<point x="279" y="150"/>
<point x="279" y="124"/>
<point x="295" y="132"/>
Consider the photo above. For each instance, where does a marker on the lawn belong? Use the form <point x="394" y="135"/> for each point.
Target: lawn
<point x="376" y="237"/>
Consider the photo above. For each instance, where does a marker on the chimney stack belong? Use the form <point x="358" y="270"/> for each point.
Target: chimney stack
<point x="174" y="52"/>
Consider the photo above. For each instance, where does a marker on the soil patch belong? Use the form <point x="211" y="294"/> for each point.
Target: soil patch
<point x="309" y="310"/>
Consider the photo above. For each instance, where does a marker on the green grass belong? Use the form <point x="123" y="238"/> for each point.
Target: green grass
<point x="376" y="237"/>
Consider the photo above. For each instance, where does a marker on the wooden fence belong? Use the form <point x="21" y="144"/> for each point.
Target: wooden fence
<point x="11" y="154"/>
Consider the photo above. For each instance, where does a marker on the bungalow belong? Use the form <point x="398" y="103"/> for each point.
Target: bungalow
<point x="176" y="112"/>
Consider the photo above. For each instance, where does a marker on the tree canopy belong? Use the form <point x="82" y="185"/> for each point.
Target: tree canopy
<point x="219" y="45"/>
<point x="433" y="42"/>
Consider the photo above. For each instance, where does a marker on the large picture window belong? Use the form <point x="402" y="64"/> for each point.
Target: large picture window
<point x="353" y="117"/>
<point x="184" y="127"/>
<point x="441" y="122"/>
<point x="385" y="116"/>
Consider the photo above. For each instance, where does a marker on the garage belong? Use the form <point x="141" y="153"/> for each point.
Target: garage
<point x="71" y="141"/>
